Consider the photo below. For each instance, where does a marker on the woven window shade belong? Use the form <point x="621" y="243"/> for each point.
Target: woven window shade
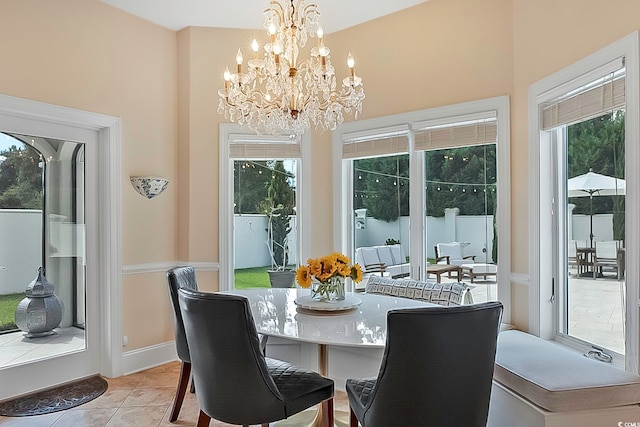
<point x="263" y="147"/>
<point x="590" y="103"/>
<point x="444" y="137"/>
<point x="374" y="147"/>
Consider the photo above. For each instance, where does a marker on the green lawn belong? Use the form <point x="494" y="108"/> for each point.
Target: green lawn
<point x="247" y="278"/>
<point x="8" y="304"/>
<point x="257" y="277"/>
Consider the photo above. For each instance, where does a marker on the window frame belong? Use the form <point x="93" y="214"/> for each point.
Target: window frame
<point x="542" y="314"/>
<point x="342" y="170"/>
<point x="226" y="216"/>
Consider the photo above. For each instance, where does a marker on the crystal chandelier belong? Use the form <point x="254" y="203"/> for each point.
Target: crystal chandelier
<point x="276" y="92"/>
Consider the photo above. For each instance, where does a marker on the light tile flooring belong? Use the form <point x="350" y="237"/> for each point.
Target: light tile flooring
<point x="142" y="399"/>
<point x="15" y="348"/>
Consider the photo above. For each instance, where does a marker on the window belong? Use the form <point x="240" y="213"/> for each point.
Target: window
<point x="261" y="207"/>
<point x="460" y="194"/>
<point x="583" y="220"/>
<point x="428" y="177"/>
<point x="42" y="207"/>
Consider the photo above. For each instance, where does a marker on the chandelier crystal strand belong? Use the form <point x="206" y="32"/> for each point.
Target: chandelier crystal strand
<point x="277" y="93"/>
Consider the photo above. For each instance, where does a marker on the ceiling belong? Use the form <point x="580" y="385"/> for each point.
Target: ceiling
<point x="177" y="14"/>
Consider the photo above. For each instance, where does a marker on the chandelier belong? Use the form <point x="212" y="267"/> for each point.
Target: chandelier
<point x="278" y="93"/>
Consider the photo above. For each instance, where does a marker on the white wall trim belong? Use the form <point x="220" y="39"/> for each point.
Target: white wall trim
<point x="520" y="279"/>
<point x="162" y="267"/>
<point x="148" y="357"/>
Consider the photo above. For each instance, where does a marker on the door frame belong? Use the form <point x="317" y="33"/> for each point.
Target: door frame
<point x="18" y="115"/>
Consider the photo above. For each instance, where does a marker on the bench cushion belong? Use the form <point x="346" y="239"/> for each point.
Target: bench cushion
<point x="559" y="379"/>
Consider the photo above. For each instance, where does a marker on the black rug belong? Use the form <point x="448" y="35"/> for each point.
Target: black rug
<point x="55" y="399"/>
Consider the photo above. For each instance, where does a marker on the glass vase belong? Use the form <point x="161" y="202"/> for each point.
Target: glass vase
<point x="330" y="291"/>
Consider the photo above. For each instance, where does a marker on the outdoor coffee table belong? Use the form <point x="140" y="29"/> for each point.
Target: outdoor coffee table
<point x="438" y="269"/>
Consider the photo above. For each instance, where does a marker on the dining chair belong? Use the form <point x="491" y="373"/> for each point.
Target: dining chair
<point x="436" y="370"/>
<point x="177" y="278"/>
<point x="235" y="382"/>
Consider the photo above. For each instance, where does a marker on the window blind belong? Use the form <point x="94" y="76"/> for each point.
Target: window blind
<point x="263" y="147"/>
<point x="456" y="135"/>
<point x="381" y="146"/>
<point x="602" y="96"/>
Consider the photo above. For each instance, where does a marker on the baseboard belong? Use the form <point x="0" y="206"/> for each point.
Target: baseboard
<point x="148" y="357"/>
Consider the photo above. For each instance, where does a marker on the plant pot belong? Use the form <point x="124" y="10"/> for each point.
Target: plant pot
<point x="282" y="279"/>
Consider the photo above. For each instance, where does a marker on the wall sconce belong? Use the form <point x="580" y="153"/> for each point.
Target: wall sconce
<point x="149" y="186"/>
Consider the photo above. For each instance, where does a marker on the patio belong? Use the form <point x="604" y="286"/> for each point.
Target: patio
<point x="596" y="311"/>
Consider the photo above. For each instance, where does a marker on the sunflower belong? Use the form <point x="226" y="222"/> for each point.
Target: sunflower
<point x="356" y="273"/>
<point x="328" y="268"/>
<point x="315" y="267"/>
<point x="303" y="276"/>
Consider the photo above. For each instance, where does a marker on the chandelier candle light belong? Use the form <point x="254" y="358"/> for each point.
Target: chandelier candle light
<point x="279" y="94"/>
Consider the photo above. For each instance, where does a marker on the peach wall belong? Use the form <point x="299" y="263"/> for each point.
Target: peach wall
<point x="548" y="36"/>
<point x="89" y="56"/>
<point x="437" y="53"/>
<point x="472" y="40"/>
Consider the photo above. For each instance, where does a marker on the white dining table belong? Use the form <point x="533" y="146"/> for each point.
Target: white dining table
<point x="276" y="314"/>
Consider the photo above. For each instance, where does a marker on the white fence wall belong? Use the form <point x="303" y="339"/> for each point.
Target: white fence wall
<point x="602" y="227"/>
<point x="20" y="248"/>
<point x="251" y="249"/>
<point x="21" y="231"/>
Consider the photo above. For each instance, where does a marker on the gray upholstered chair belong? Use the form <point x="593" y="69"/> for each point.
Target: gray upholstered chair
<point x="436" y="370"/>
<point x="180" y="277"/>
<point x="235" y="382"/>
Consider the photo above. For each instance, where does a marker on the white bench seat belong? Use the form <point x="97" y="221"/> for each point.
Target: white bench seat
<point x="557" y="380"/>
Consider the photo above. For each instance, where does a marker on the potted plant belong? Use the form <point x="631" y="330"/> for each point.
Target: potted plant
<point x="281" y="200"/>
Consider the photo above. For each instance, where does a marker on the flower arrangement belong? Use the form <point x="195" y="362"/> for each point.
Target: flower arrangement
<point x="327" y="275"/>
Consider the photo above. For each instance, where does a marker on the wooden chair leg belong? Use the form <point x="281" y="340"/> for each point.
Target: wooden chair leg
<point x="327" y="413"/>
<point x="183" y="382"/>
<point x="203" y="419"/>
<point x="353" y="420"/>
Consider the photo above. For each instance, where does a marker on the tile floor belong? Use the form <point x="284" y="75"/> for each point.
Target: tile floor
<point x="142" y="399"/>
<point x="15" y="348"/>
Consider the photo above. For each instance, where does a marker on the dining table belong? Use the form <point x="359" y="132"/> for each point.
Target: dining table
<point x="359" y="321"/>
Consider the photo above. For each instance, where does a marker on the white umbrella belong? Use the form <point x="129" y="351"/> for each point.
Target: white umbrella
<point x="590" y="184"/>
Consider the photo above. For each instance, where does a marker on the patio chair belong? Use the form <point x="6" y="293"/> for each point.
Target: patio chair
<point x="451" y="253"/>
<point x="605" y="257"/>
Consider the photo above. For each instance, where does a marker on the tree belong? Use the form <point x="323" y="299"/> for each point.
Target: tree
<point x="599" y="144"/>
<point x="381" y="185"/>
<point x="281" y="199"/>
<point x="251" y="181"/>
<point x="20" y="178"/>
